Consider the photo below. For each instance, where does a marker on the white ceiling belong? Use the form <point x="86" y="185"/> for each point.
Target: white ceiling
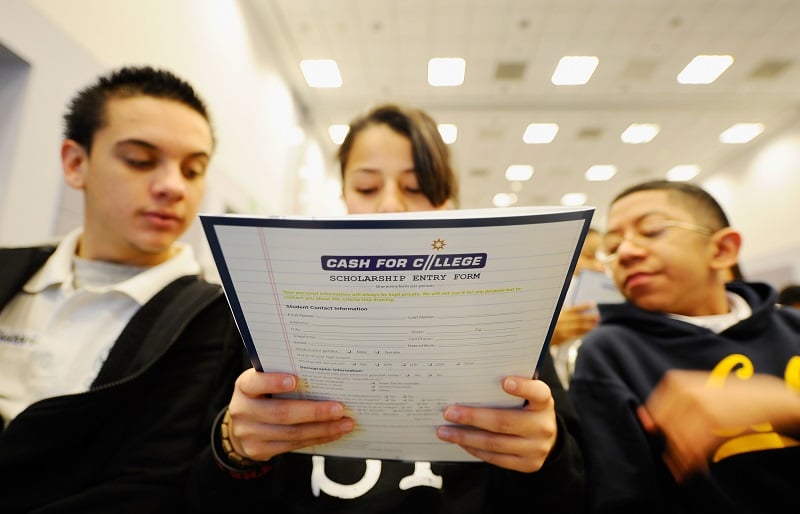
<point x="383" y="46"/>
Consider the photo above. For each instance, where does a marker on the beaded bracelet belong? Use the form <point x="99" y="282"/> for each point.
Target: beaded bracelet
<point x="227" y="458"/>
<point x="231" y="454"/>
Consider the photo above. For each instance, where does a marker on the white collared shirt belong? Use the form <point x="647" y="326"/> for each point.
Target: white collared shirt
<point x="739" y="310"/>
<point x="57" y="332"/>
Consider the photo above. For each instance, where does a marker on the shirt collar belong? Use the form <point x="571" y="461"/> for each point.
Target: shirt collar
<point x="58" y="268"/>
<point x="739" y="310"/>
<point x="141" y="287"/>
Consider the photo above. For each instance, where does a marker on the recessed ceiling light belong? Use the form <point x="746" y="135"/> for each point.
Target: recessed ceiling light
<point x="741" y="133"/>
<point x="321" y="72"/>
<point x="449" y="132"/>
<point x="338" y="133"/>
<point x="504" y="199"/>
<point x="519" y="172"/>
<point x="600" y="172"/>
<point x="574" y="70"/>
<point x="638" y="133"/>
<point x="540" y="133"/>
<point x="704" y="69"/>
<point x="683" y="172"/>
<point x="573" y="199"/>
<point x="446" y="71"/>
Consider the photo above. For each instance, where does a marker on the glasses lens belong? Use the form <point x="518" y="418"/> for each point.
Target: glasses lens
<point x="645" y="231"/>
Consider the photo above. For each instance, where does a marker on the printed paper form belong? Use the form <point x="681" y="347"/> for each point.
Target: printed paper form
<point x="397" y="317"/>
<point x="593" y="286"/>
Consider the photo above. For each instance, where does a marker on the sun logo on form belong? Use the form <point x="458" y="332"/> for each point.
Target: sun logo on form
<point x="438" y="244"/>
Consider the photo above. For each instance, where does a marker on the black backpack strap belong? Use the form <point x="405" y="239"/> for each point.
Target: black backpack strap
<point x="155" y="326"/>
<point x="17" y="266"/>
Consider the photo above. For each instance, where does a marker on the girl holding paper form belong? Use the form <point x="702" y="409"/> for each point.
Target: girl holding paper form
<point x="394" y="160"/>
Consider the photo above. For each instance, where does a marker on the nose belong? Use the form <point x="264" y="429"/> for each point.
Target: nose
<point x="169" y="182"/>
<point x="391" y="199"/>
<point x="630" y="247"/>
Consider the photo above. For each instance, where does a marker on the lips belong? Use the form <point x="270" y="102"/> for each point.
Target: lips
<point x="163" y="219"/>
<point x="634" y="280"/>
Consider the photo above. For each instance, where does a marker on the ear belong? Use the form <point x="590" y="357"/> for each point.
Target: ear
<point x="725" y="245"/>
<point x="74" y="163"/>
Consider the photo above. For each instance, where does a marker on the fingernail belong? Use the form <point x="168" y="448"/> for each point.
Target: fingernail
<point x="337" y="411"/>
<point x="453" y="414"/>
<point x="444" y="432"/>
<point x="511" y="384"/>
<point x="346" y="425"/>
<point x="288" y="383"/>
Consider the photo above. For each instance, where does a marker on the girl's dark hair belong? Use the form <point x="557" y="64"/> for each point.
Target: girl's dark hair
<point x="87" y="114"/>
<point x="435" y="175"/>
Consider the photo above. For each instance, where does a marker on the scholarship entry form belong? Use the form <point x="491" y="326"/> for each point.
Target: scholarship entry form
<point x="399" y="315"/>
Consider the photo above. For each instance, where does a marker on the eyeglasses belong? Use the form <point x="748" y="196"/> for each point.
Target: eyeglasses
<point x="646" y="231"/>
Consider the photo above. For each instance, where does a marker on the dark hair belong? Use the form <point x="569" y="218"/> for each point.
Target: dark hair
<point x="87" y="114"/>
<point x="789" y="295"/>
<point x="703" y="207"/>
<point x="435" y="175"/>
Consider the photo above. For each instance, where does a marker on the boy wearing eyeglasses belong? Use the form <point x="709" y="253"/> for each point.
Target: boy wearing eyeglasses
<point x="690" y="391"/>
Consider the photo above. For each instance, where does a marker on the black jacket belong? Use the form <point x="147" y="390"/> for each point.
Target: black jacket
<point x="125" y="445"/>
<point x="619" y="364"/>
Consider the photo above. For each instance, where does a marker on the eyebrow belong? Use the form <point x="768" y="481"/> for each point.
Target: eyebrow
<point x="640" y="218"/>
<point x="136" y="142"/>
<point x="376" y="170"/>
<point x="150" y="146"/>
<point x="364" y="170"/>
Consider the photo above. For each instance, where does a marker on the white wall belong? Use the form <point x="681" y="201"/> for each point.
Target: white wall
<point x="760" y="192"/>
<point x="39" y="90"/>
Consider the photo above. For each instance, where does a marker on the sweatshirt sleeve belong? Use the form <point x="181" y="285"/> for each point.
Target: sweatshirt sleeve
<point x="621" y="460"/>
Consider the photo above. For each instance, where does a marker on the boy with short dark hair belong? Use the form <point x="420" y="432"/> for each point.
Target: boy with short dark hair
<point x="669" y="247"/>
<point x="111" y="344"/>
